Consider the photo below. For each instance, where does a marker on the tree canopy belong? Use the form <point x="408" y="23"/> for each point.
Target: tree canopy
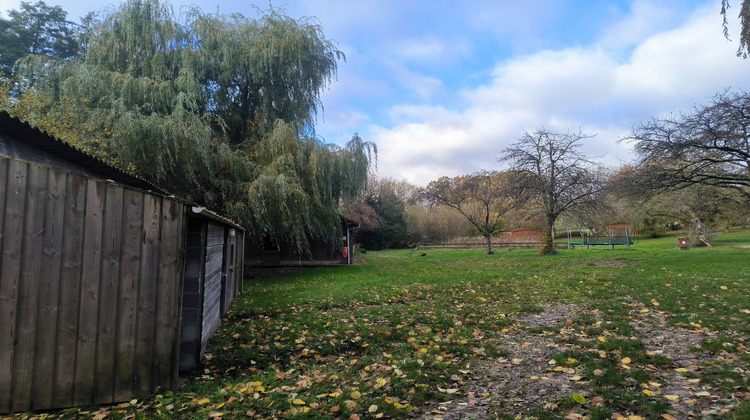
<point x="36" y="29"/>
<point x="709" y="146"/>
<point x="744" y="17"/>
<point x="560" y="176"/>
<point x="218" y="109"/>
<point x="482" y="198"/>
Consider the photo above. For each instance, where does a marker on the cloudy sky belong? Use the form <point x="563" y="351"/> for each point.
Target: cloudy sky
<point x="443" y="86"/>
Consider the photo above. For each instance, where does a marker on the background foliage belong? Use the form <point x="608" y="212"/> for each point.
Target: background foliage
<point x="214" y="108"/>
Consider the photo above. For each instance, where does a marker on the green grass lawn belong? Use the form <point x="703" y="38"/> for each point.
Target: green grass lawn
<point x="654" y="331"/>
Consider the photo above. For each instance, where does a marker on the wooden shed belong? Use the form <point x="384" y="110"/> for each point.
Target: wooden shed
<point x="108" y="285"/>
<point x="280" y="254"/>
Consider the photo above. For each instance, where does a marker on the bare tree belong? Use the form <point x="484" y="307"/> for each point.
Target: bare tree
<point x="559" y="174"/>
<point x="482" y="198"/>
<point x="710" y="146"/>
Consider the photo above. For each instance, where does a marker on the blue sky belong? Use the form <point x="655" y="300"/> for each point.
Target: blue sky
<point x="443" y="86"/>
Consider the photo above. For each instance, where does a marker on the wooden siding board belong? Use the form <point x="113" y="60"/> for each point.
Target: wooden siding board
<point x="67" y="323"/>
<point x="212" y="282"/>
<point x="128" y="295"/>
<point x="29" y="289"/>
<point x="169" y="290"/>
<point x="89" y="307"/>
<point x="10" y="269"/>
<point x="240" y="263"/>
<point x="108" y="295"/>
<point x="192" y="294"/>
<point x="149" y="279"/>
<point x="46" y="327"/>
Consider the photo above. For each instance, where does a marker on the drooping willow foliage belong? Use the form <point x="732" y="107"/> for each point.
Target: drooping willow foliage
<point x="218" y="109"/>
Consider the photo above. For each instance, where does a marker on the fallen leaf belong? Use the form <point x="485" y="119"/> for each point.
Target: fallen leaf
<point x="672" y="397"/>
<point x="579" y="398"/>
<point x="625" y="361"/>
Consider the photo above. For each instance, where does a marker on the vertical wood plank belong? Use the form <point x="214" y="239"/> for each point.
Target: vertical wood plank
<point x="111" y="252"/>
<point x="89" y="306"/>
<point x="14" y="179"/>
<point x="67" y="322"/>
<point x="29" y="288"/>
<point x="240" y="262"/>
<point x="46" y="326"/>
<point x="127" y="295"/>
<point x="149" y="280"/>
<point x="169" y="295"/>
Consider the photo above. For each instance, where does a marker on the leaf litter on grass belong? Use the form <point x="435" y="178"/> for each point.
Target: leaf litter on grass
<point x="539" y="386"/>
<point x="458" y="335"/>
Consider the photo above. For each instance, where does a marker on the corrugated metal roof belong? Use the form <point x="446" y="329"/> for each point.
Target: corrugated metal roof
<point x="40" y="139"/>
<point x="17" y="128"/>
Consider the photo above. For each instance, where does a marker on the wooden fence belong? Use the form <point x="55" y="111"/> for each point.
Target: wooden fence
<point x="472" y="245"/>
<point x="90" y="278"/>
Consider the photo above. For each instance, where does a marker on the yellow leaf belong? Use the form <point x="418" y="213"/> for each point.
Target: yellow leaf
<point x="373" y="408"/>
<point x="625" y="360"/>
<point x="644" y="310"/>
<point x="298" y="402"/>
<point x="602" y="339"/>
<point x="680" y="370"/>
<point x="672" y="397"/>
<point x="203" y="401"/>
<point x="356" y="395"/>
<point x="579" y="398"/>
<point x="649" y="392"/>
<point x="380" y="382"/>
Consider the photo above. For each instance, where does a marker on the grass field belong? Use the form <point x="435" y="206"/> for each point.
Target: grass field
<point x="655" y="332"/>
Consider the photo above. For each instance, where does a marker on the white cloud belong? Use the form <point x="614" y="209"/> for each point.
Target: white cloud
<point x="593" y="88"/>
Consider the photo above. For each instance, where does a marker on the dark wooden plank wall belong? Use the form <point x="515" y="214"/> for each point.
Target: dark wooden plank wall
<point x="212" y="281"/>
<point x="90" y="289"/>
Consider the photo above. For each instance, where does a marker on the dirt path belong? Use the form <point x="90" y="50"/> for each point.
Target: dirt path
<point x="525" y="380"/>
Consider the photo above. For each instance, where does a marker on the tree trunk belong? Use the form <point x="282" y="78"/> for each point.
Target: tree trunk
<point x="490" y="251"/>
<point x="548" y="238"/>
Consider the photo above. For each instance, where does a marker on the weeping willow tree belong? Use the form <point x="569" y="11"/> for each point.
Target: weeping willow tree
<point x="219" y="109"/>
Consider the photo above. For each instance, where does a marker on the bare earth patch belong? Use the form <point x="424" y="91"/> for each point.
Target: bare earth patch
<point x="525" y="380"/>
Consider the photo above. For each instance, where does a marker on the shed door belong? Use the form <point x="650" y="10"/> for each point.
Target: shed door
<point x="229" y="282"/>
